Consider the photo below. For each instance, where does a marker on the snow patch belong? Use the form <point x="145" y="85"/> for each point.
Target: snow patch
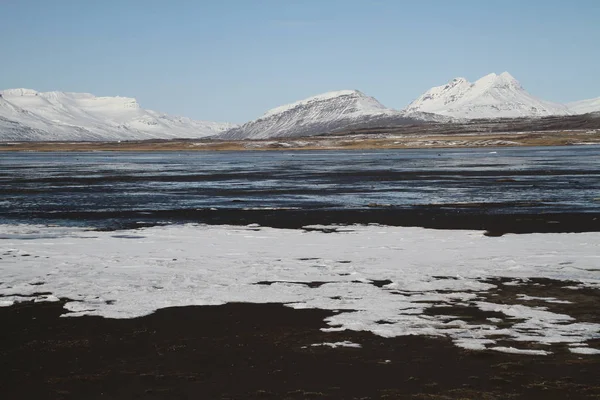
<point x="584" y="350"/>
<point x="512" y="350"/>
<point x="345" y="343"/>
<point x="387" y="282"/>
<point x="524" y="297"/>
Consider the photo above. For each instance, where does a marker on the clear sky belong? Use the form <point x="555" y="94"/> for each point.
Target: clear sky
<point x="231" y="60"/>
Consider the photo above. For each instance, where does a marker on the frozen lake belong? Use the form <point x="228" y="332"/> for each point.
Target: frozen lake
<point x="157" y="186"/>
<point x="527" y="294"/>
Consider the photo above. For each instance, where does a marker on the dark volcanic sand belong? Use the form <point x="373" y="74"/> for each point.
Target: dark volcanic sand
<point x="470" y="217"/>
<point x="240" y="351"/>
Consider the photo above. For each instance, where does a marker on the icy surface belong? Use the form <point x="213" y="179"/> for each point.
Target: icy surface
<point x="543" y="178"/>
<point x="493" y="96"/>
<point x="29" y="115"/>
<point x="377" y="278"/>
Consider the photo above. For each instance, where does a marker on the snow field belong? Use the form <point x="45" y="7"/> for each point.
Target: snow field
<point x="377" y="278"/>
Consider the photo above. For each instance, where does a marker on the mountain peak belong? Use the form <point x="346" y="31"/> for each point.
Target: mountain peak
<point x="338" y="93"/>
<point x="507" y="75"/>
<point x="491" y="96"/>
<point x="490" y="81"/>
<point x="330" y="95"/>
<point x="507" y="79"/>
<point x="487" y="80"/>
<point x="350" y="95"/>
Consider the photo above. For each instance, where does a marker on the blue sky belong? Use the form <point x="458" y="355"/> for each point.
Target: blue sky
<point x="231" y="60"/>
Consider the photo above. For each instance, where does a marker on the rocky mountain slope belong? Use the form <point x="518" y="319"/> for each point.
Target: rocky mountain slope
<point x="325" y="113"/>
<point x="28" y="115"/>
<point x="493" y="96"/>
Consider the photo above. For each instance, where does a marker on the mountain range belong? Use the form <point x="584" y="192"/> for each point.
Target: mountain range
<point x="326" y="113"/>
<point x="28" y="115"/>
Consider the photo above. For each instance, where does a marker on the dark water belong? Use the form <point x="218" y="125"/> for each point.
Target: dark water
<point x="75" y="187"/>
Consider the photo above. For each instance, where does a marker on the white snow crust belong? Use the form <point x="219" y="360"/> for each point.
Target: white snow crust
<point x="26" y="114"/>
<point x="132" y="273"/>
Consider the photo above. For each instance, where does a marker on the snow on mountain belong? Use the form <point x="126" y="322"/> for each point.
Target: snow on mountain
<point x="324" y="113"/>
<point x="585" y="106"/>
<point x="26" y="114"/>
<point x="493" y="96"/>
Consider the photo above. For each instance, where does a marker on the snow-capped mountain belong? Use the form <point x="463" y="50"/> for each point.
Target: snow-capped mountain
<point x="324" y="113"/>
<point x="585" y="106"/>
<point x="29" y="115"/>
<point x="493" y="96"/>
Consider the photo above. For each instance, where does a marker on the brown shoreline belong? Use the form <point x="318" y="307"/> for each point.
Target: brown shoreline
<point x="333" y="142"/>
<point x="248" y="351"/>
